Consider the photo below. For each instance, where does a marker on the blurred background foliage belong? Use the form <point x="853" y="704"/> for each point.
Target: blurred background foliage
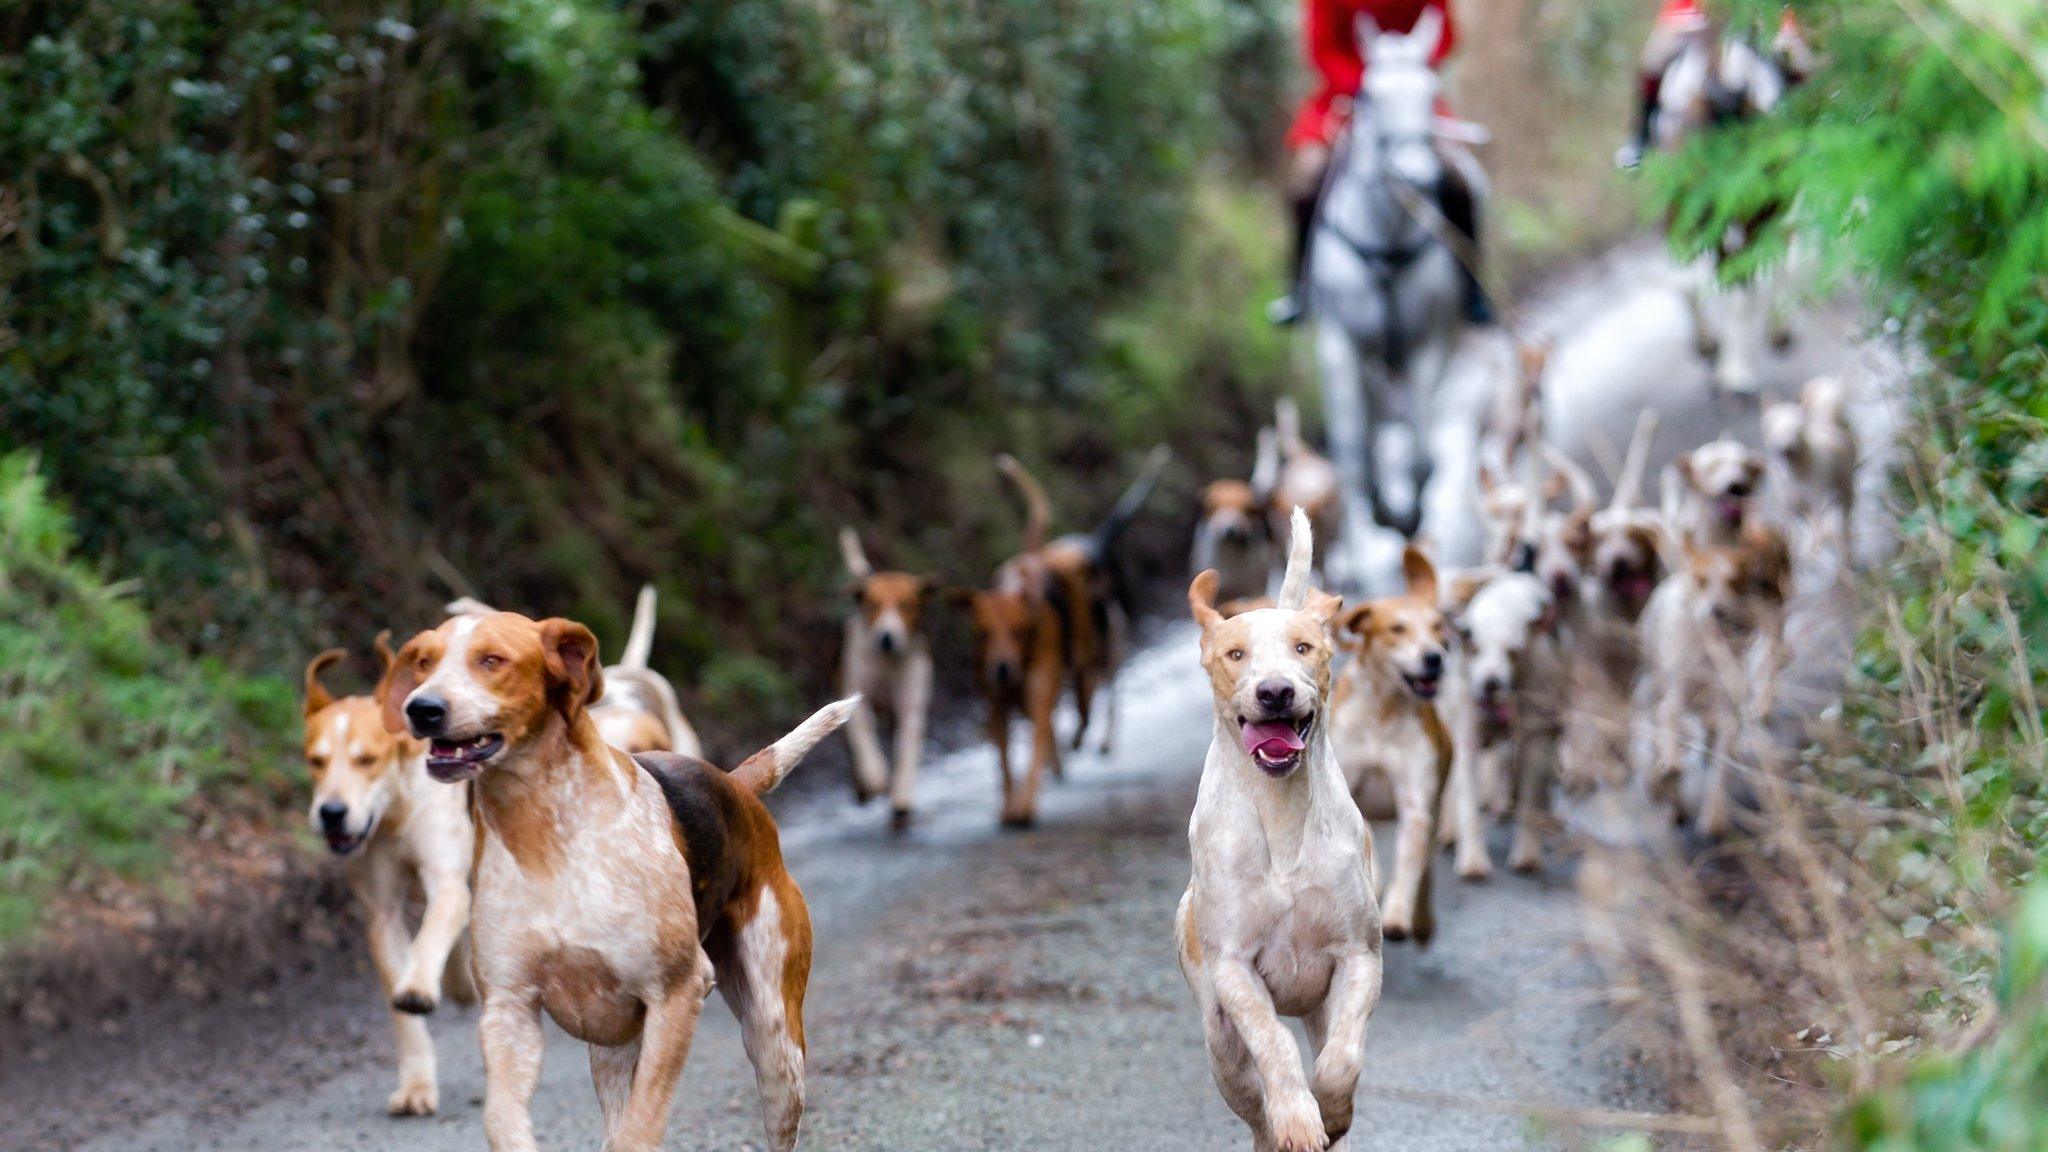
<point x="106" y="732"/>
<point x="320" y="312"/>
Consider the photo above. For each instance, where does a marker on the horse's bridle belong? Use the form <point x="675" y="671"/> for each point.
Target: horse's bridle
<point x="1386" y="262"/>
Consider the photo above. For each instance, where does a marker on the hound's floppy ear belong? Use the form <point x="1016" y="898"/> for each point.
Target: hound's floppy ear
<point x="575" y="678"/>
<point x="400" y="677"/>
<point x="382" y="646"/>
<point x="959" y="597"/>
<point x="1354" y="621"/>
<point x="317" y="695"/>
<point x="1419" y="572"/>
<point x="1463" y="587"/>
<point x="1202" y="599"/>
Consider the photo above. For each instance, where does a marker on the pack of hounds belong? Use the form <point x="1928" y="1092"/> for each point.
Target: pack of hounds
<point x="580" y="859"/>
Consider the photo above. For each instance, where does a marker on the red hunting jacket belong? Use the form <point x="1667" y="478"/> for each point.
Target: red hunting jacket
<point x="1339" y="58"/>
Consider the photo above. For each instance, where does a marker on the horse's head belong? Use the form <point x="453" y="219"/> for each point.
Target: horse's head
<point x="1397" y="108"/>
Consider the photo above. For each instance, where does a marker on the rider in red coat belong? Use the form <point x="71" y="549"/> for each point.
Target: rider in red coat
<point x="1332" y="34"/>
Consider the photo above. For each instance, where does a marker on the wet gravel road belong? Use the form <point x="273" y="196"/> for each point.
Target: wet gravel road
<point x="983" y="990"/>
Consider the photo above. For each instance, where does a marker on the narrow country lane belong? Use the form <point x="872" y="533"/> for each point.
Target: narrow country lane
<point x="984" y="990"/>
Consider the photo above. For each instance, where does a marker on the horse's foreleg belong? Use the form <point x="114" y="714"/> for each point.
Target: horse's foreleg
<point x="1348" y="423"/>
<point x="1699" y="286"/>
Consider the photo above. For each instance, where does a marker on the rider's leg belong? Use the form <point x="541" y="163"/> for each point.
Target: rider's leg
<point x="1457" y="200"/>
<point x="1658" y="52"/>
<point x="1305" y="169"/>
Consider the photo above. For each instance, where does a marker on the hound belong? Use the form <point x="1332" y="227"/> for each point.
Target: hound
<point x="1599" y="627"/>
<point x="1304" y="480"/>
<point x="1715" y="634"/>
<point x="887" y="662"/>
<point x="610" y="889"/>
<point x="1279" y="917"/>
<point x="1054" y="612"/>
<point x="1383" y="720"/>
<point x="396" y="830"/>
<point x="1234" y="537"/>
<point x="1710" y="493"/>
<point x="639" y="711"/>
<point x="1503" y="709"/>
<point x="1813" y="446"/>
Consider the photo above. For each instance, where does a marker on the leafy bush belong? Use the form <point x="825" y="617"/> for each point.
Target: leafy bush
<point x="106" y="733"/>
<point x="316" y="310"/>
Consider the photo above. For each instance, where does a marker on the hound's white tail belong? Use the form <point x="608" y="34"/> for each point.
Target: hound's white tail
<point x="467" y="606"/>
<point x="640" y="641"/>
<point x="855" y="556"/>
<point x="1584" y="494"/>
<point x="1629" y="483"/>
<point x="1301" y="549"/>
<point x="762" y="771"/>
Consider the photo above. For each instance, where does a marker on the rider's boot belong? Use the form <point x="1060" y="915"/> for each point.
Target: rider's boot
<point x="1455" y="201"/>
<point x="1288" y="309"/>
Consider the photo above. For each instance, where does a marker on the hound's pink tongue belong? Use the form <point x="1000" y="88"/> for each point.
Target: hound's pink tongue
<point x="1274" y="739"/>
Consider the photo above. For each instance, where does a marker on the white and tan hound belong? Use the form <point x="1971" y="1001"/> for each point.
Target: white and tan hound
<point x="610" y="889"/>
<point x="1279" y="918"/>
<point x="396" y="830"/>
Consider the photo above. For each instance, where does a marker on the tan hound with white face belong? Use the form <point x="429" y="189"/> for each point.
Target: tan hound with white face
<point x="609" y="888"/>
<point x="1279" y="918"/>
<point x="395" y="829"/>
<point x="1235" y="538"/>
<point x="1383" y="719"/>
<point x="1715" y="634"/>
<point x="887" y="661"/>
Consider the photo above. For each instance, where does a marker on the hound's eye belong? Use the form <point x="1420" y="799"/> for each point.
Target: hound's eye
<point x="489" y="662"/>
<point x="365" y="760"/>
<point x="1234" y="655"/>
<point x="1302" y="648"/>
<point x="316" y="763"/>
<point x="1399" y="629"/>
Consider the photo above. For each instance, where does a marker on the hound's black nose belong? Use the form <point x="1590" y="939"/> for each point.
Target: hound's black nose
<point x="332" y="815"/>
<point x="1003" y="673"/>
<point x="427" y="714"/>
<point x="1491" y="686"/>
<point x="1524" y="558"/>
<point x="1739" y="489"/>
<point x="1432" y="663"/>
<point x="886" y="642"/>
<point x="1276" y="696"/>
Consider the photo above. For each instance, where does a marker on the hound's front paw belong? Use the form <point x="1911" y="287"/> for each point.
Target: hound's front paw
<point x="1396" y="921"/>
<point x="416" y="995"/>
<point x="1474" y="865"/>
<point x="415" y="1098"/>
<point x="1527" y="856"/>
<point x="1297" y="1126"/>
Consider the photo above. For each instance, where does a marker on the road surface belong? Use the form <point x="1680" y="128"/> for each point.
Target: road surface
<point x="975" y="989"/>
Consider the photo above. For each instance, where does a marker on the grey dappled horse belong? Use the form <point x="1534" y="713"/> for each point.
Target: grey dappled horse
<point x="1385" y="288"/>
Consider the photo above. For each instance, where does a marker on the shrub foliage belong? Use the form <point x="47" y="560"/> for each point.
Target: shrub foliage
<point x="317" y="312"/>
